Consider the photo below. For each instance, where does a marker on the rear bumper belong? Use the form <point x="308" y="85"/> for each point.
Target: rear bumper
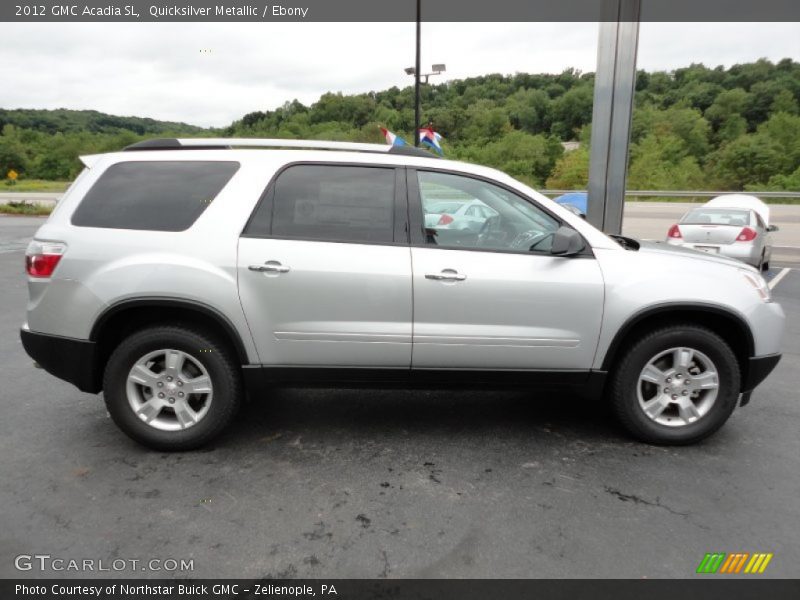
<point x="745" y="252"/>
<point x="67" y="358"/>
<point x="758" y="368"/>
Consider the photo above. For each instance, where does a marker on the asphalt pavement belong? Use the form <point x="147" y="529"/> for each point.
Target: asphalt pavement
<point x="374" y="483"/>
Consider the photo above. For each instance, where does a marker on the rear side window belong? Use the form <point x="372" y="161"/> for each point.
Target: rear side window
<point x="153" y="195"/>
<point x="330" y="203"/>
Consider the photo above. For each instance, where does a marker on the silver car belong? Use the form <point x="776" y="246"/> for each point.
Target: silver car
<point x="180" y="277"/>
<point x="453" y="214"/>
<point x="727" y="228"/>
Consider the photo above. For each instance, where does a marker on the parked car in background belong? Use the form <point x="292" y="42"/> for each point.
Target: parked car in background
<point x="735" y="225"/>
<point x="460" y="215"/>
<point x="575" y="202"/>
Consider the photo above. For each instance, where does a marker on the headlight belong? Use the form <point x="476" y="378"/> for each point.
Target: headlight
<point x="759" y="283"/>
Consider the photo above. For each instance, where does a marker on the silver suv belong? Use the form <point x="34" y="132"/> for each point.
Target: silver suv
<point x="181" y="276"/>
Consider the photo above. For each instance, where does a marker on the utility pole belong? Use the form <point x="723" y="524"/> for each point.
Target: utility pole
<point x="614" y="86"/>
<point x="417" y="69"/>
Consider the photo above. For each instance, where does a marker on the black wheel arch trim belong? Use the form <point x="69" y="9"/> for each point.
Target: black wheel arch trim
<point x="666" y="308"/>
<point x="168" y="302"/>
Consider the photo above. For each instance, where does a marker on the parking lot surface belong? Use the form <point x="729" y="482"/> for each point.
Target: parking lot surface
<point x="375" y="483"/>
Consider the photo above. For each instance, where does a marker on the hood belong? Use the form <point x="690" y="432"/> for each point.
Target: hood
<point x="664" y="248"/>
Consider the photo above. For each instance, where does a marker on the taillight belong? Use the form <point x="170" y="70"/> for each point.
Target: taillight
<point x="41" y="258"/>
<point x="445" y="219"/>
<point x="746" y="235"/>
<point x="674" y="232"/>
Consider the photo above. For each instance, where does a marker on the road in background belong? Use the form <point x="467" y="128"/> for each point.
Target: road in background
<point x="37" y="197"/>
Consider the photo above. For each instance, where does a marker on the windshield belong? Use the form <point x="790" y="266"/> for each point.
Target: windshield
<point x="717" y="216"/>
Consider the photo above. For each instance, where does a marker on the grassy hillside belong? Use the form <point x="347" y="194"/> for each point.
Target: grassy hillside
<point x="72" y="121"/>
<point x="693" y="128"/>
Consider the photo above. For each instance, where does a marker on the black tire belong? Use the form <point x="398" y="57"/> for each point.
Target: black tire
<point x="762" y="266"/>
<point x="206" y="350"/>
<point x="625" y="381"/>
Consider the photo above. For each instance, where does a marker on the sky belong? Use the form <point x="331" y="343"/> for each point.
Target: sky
<point x="210" y="74"/>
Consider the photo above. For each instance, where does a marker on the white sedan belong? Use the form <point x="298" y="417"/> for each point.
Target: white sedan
<point x="733" y="225"/>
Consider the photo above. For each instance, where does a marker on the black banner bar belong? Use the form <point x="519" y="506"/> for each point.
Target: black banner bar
<point x="40" y="11"/>
<point x="702" y="588"/>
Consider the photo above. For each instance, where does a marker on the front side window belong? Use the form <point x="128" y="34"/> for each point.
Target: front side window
<point x="462" y="212"/>
<point x="334" y="203"/>
<point x="153" y="195"/>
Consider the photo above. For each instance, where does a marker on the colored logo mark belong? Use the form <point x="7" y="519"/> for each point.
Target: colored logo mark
<point x="735" y="563"/>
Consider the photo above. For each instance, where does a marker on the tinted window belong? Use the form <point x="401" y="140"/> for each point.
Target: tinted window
<point x="157" y="195"/>
<point x="336" y="203"/>
<point x="501" y="219"/>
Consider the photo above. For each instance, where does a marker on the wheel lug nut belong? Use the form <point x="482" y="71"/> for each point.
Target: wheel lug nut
<point x="666" y="390"/>
<point x="180" y="394"/>
<point x="685" y="392"/>
<point x="678" y="376"/>
<point x="169" y="378"/>
<point x="160" y="384"/>
<point x="669" y="379"/>
<point x="180" y="383"/>
<point x="674" y="396"/>
<point x="172" y="400"/>
<point x="160" y="394"/>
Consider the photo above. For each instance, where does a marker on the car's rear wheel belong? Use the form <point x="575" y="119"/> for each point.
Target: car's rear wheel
<point x="676" y="385"/>
<point x="171" y="388"/>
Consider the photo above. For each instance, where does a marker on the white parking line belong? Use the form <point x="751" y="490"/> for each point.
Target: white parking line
<point x="778" y="277"/>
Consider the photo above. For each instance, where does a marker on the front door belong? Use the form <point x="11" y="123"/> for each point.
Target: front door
<point x="496" y="298"/>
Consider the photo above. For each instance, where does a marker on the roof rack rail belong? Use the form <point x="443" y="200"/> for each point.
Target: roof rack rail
<point x="228" y="143"/>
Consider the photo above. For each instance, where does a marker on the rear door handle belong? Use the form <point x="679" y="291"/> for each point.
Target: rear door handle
<point x="446" y="275"/>
<point x="271" y="266"/>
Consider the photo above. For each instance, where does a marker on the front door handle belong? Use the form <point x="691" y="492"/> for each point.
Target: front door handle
<point x="446" y="275"/>
<point x="271" y="266"/>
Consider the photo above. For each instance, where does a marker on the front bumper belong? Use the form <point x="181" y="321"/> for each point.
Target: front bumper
<point x="67" y="358"/>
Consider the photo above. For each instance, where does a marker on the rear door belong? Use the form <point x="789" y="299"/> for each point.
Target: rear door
<point x="497" y="299"/>
<point x="324" y="268"/>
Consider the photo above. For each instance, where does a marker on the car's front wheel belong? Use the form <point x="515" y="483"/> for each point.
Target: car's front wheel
<point x="171" y="388"/>
<point x="676" y="385"/>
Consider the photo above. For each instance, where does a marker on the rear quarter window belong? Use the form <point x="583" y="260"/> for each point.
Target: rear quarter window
<point x="153" y="195"/>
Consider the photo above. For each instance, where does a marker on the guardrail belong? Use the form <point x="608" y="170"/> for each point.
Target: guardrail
<point x="679" y="193"/>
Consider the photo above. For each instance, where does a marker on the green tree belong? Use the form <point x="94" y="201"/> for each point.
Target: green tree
<point x="785" y="102"/>
<point x="572" y="111"/>
<point x="662" y="162"/>
<point x="749" y="159"/>
<point x="571" y="171"/>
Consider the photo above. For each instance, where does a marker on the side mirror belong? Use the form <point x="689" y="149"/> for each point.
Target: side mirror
<point x="772" y="228"/>
<point x="567" y="242"/>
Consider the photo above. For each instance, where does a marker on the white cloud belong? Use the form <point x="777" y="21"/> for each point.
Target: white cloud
<point x="158" y="70"/>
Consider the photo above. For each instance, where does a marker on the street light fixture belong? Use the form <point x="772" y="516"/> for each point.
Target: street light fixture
<point x="416" y="71"/>
<point x="435" y="70"/>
